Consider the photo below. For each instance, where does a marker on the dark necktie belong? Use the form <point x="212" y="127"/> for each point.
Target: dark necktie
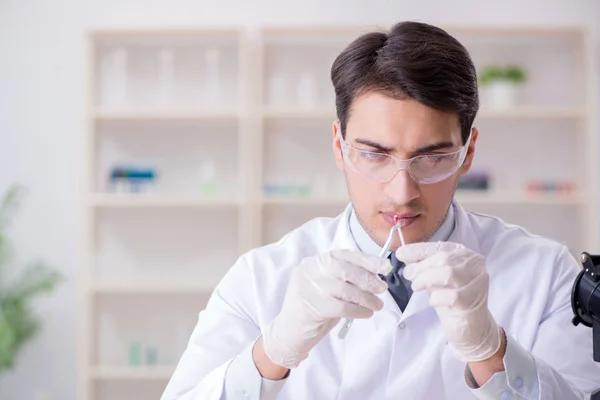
<point x="398" y="286"/>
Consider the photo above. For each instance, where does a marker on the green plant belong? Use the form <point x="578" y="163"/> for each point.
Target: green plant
<point x="509" y="73"/>
<point x="18" y="324"/>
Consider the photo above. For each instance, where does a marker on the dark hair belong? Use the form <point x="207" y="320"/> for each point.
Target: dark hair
<point x="414" y="60"/>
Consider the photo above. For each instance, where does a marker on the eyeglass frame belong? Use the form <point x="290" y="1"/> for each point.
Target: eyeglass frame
<point x="464" y="148"/>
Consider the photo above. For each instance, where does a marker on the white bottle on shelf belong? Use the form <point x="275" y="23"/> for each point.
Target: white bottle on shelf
<point x="321" y="185"/>
<point x="212" y="83"/>
<point x="307" y="91"/>
<point x="208" y="179"/>
<point x="114" y="79"/>
<point x="165" y="78"/>
<point x="276" y="96"/>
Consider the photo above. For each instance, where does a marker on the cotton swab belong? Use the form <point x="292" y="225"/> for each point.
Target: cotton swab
<point x="399" y="229"/>
<point x="384" y="250"/>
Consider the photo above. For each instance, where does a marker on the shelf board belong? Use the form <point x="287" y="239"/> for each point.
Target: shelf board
<point x="308" y="201"/>
<point x="532" y="113"/>
<point x="157" y="33"/>
<point x="298" y="112"/>
<point x="463" y="196"/>
<point x="148" y="200"/>
<point x="152" y="288"/>
<point x="526" y="112"/>
<point x="166" y="115"/>
<point x="468" y="197"/>
<point x="159" y="372"/>
<point x="512" y="30"/>
<point x="476" y="29"/>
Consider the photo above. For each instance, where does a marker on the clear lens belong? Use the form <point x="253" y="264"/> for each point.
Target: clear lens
<point x="425" y="169"/>
<point x="434" y="168"/>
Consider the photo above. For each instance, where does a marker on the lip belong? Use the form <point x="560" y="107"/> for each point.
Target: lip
<point x="406" y="219"/>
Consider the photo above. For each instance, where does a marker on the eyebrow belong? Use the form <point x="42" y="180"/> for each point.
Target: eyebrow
<point x="434" y="147"/>
<point x="374" y="145"/>
<point x="421" y="150"/>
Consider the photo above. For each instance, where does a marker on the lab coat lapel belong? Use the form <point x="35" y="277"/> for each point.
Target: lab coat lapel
<point x="343" y="240"/>
<point x="464" y="231"/>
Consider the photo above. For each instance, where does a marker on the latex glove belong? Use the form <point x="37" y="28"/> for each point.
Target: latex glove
<point x="458" y="283"/>
<point x="322" y="290"/>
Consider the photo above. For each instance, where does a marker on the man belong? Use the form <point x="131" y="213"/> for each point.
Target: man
<point x="474" y="308"/>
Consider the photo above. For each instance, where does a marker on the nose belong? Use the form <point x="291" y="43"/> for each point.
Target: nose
<point x="402" y="189"/>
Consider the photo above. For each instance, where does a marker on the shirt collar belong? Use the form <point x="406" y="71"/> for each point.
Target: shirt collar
<point x="368" y="245"/>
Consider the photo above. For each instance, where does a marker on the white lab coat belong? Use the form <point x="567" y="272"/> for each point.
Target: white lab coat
<point x="394" y="355"/>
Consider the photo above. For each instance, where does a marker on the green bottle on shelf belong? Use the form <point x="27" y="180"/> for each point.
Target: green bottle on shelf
<point x="135" y="353"/>
<point x="208" y="179"/>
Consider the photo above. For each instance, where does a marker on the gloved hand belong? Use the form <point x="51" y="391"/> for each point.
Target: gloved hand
<point x="323" y="289"/>
<point x="458" y="284"/>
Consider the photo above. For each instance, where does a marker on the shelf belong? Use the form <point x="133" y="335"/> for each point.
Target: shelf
<point x="533" y="112"/>
<point x="526" y="112"/>
<point x="166" y="115"/>
<point x="474" y="197"/>
<point x="464" y="197"/>
<point x="304" y="201"/>
<point x="158" y="288"/>
<point x="155" y="33"/>
<point x="148" y="200"/>
<point x="159" y="372"/>
<point x="513" y="30"/>
<point x="354" y="29"/>
<point x="299" y="112"/>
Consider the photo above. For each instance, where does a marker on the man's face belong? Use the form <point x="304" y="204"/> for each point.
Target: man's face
<point x="404" y="129"/>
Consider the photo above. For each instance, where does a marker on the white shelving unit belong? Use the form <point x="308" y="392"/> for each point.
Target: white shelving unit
<point x="162" y="111"/>
<point x="162" y="373"/>
<point x="151" y="260"/>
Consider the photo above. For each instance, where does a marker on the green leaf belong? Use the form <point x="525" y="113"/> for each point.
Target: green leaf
<point x="18" y="324"/>
<point x="7" y="343"/>
<point x="494" y="73"/>
<point x="9" y="205"/>
<point x="37" y="279"/>
<point x="514" y="74"/>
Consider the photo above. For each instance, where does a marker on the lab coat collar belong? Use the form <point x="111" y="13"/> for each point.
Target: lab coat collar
<point x="342" y="238"/>
<point x="367" y="245"/>
<point x="463" y="233"/>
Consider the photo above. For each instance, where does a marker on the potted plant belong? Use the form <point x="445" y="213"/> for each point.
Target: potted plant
<point x="502" y="84"/>
<point x="18" y="324"/>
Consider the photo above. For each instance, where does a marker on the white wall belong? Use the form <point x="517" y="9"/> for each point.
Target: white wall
<point x="42" y="98"/>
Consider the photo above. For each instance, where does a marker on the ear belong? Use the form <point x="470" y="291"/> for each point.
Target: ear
<point x="337" y="146"/>
<point x="470" y="152"/>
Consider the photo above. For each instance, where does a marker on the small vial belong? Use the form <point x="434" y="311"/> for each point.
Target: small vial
<point x="151" y="356"/>
<point x="135" y="353"/>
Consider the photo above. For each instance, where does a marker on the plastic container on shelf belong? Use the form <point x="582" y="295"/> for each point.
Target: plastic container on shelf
<point x="550" y="186"/>
<point x="135" y="353"/>
<point x="302" y="187"/>
<point x="321" y="185"/>
<point x="307" y="91"/>
<point x="474" y="180"/>
<point x="277" y="90"/>
<point x="132" y="179"/>
<point x="208" y="179"/>
<point x="113" y="79"/>
<point x="212" y="83"/>
<point x="164" y="96"/>
<point x="151" y="356"/>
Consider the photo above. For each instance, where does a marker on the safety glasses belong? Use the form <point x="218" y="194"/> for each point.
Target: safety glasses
<point x="424" y="169"/>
